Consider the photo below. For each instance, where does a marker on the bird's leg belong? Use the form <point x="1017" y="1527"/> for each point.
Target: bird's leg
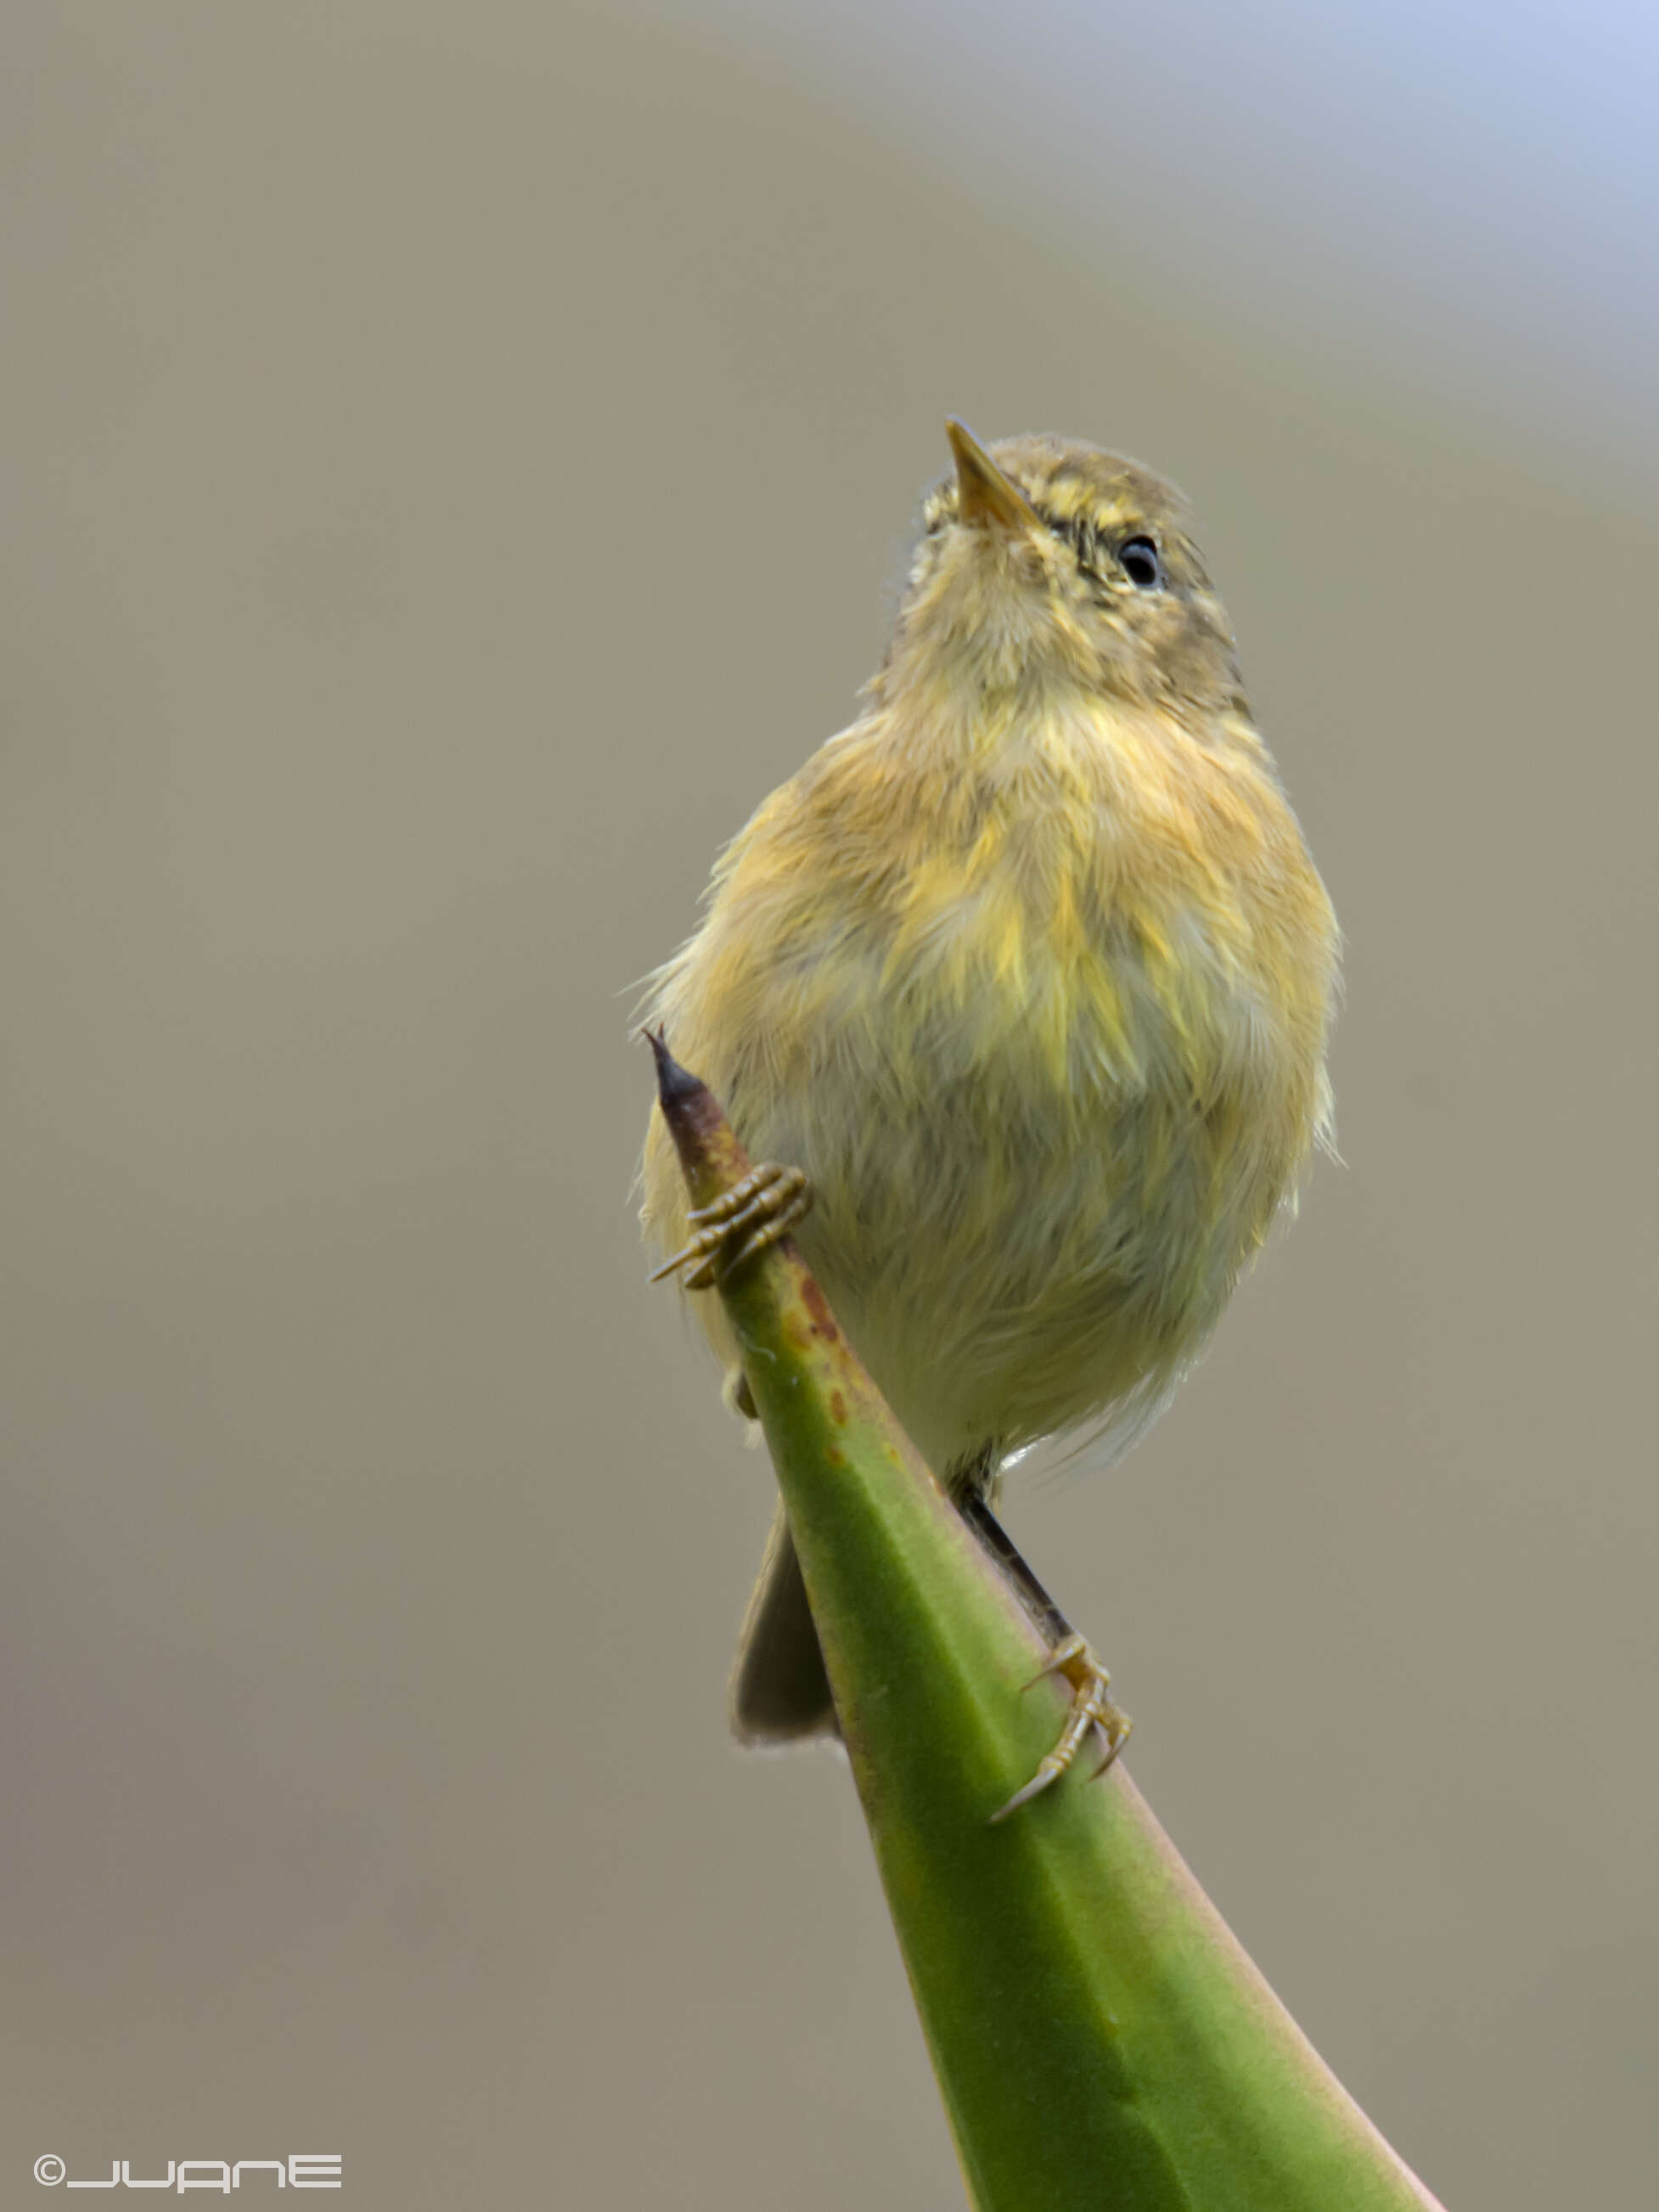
<point x="754" y="1214"/>
<point x="1091" y="1704"/>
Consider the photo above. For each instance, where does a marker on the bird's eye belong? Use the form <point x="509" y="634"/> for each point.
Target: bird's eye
<point x="1138" y="560"/>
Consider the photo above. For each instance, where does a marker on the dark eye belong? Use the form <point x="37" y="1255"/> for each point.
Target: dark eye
<point x="1138" y="558"/>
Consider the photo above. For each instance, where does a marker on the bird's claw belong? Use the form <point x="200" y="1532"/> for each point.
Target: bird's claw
<point x="1091" y="1708"/>
<point x="741" y="1224"/>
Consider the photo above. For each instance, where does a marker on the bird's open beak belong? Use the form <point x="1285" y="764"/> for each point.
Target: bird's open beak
<point x="984" y="495"/>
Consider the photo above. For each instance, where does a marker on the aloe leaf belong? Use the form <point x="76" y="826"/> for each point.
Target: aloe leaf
<point x="1102" y="2042"/>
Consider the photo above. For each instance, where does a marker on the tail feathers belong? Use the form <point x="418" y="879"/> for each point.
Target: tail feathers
<point x="779" y="1691"/>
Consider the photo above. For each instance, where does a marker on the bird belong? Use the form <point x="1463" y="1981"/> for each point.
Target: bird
<point x="1021" y="990"/>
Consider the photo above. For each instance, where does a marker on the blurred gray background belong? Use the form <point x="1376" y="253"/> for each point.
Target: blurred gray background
<point x="459" y="460"/>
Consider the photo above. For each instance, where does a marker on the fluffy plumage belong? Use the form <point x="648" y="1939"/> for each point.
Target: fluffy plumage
<point x="1029" y="970"/>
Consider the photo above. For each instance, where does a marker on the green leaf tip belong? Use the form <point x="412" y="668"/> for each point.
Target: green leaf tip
<point x="1100" y="2040"/>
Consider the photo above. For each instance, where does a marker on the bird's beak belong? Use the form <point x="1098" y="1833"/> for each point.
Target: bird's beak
<point x="984" y="495"/>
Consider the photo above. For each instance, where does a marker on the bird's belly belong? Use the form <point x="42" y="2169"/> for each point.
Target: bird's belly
<point x="1019" y="1241"/>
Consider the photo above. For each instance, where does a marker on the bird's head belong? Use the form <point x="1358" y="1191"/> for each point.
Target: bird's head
<point x="1047" y="566"/>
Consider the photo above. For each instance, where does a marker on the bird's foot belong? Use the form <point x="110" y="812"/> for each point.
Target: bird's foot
<point x="1091" y="1708"/>
<point x="754" y="1214"/>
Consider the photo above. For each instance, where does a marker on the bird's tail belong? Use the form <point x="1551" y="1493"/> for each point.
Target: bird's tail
<point x="779" y="1691"/>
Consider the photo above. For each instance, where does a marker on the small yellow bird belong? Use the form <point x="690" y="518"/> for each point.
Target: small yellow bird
<point x="1030" y="975"/>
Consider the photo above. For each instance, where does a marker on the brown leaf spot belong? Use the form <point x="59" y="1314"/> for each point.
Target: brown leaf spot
<point x="819" y="1306"/>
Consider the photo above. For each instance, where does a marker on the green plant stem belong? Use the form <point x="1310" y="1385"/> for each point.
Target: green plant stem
<point x="1102" y="2042"/>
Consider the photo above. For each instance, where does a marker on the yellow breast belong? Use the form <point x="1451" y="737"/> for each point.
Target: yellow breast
<point x="1040" y="1006"/>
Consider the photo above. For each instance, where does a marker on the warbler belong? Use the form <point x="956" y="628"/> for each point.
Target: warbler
<point x="1023" y="985"/>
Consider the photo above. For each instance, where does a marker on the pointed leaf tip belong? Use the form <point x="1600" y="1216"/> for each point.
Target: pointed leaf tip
<point x="676" y="1086"/>
<point x="710" y="1154"/>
